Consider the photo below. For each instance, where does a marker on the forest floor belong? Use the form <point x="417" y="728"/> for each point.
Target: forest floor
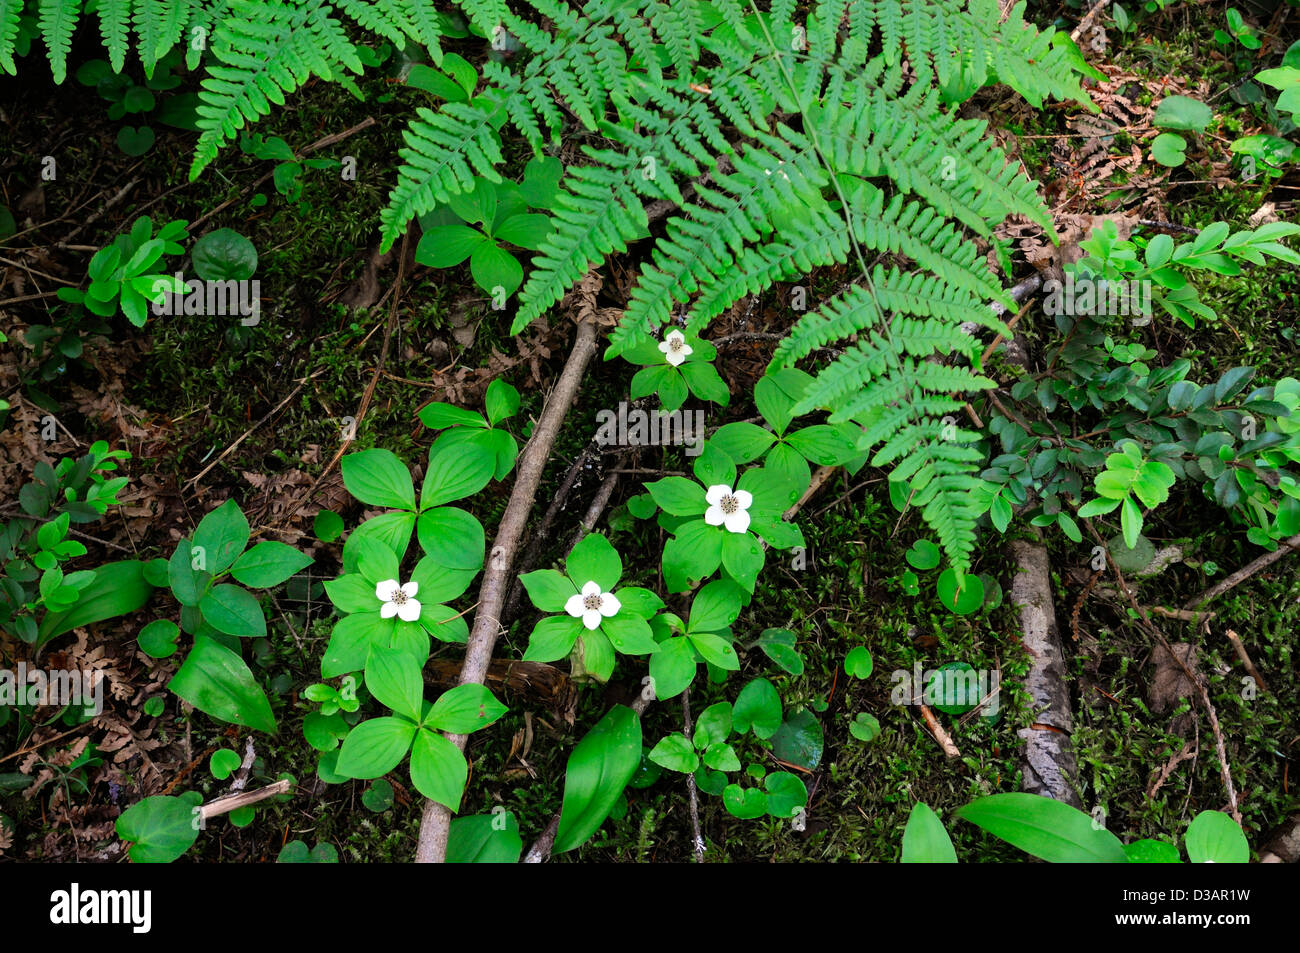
<point x="211" y="411"/>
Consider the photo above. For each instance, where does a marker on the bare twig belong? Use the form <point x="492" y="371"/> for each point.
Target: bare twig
<point x="436" y="822"/>
<point x="1244" y="573"/>
<point x="231" y="802"/>
<point x="1246" y="662"/>
<point x="697" y="840"/>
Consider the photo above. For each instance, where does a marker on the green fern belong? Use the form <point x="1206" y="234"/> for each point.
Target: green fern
<point x="10" y="15"/>
<point x="264" y="52"/>
<point x="58" y="21"/>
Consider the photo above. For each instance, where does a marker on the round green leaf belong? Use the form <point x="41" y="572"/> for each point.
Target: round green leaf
<point x="758" y="706"/>
<point x="1214" y="837"/>
<point x="224" y="255"/>
<point x="799" y="740"/>
<point x="135" y="140"/>
<point x="378" y="797"/>
<point x="223" y="763"/>
<point x="923" y="555"/>
<point x="858" y="662"/>
<point x="963" y="598"/>
<point x="158" y="638"/>
<point x="864" y="726"/>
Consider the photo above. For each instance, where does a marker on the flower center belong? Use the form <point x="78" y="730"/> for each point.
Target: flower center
<point x="398" y="598"/>
<point x="676" y="344"/>
<point x="729" y="504"/>
<point x="592" y="601"/>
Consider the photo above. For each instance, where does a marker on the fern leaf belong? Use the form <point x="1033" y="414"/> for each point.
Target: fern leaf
<point x="10" y="14"/>
<point x="58" y="21"/>
<point x="114" y="26"/>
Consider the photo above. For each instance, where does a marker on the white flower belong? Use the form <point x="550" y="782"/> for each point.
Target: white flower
<point x="727" y="508"/>
<point x="591" y="604"/>
<point x="398" y="600"/>
<point x="675" y="348"/>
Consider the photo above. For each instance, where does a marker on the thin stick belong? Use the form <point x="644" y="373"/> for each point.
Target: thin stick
<point x="436" y="822"/>
<point x="224" y="805"/>
<point x="1088" y="18"/>
<point x="697" y="840"/>
<point x="945" y="740"/>
<point x="1244" y="573"/>
<point x="1246" y="662"/>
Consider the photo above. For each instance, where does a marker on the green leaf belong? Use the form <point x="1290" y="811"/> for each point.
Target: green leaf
<point x="452" y="537"/>
<point x="923" y="555"/>
<point x="713" y="725"/>
<point x="501" y="401"/>
<point x="224" y="255"/>
<point x="438" y="769"/>
<point x="234" y="611"/>
<point x="268" y="564"/>
<point x="799" y="740"/>
<point x="379" y="478"/>
<point x="223" y="763"/>
<point x="1148" y="851"/>
<point x="439" y="416"/>
<point x="553" y="638"/>
<point x="721" y="757"/>
<point x="777" y="393"/>
<point x="824" y="444"/>
<point x="328" y="526"/>
<point x="785" y="793"/>
<point x="495" y="270"/>
<point x="703" y="380"/>
<point x="758" y="706"/>
<point x="1130" y="521"/>
<point x="160" y="829"/>
<point x="135" y="141"/>
<point x="744" y="803"/>
<point x="158" y="638"/>
<point x="215" y="680"/>
<point x="629" y="633"/>
<point x="779" y="646"/>
<point x="378" y="797"/>
<point x="675" y="753"/>
<point x="465" y="709"/>
<point x="742" y="441"/>
<point x="673" y="667"/>
<point x="715" y="607"/>
<point x="1047" y="829"/>
<point x="485" y="839"/>
<point x="599" y="768"/>
<point x="527" y="231"/>
<point x="444" y="246"/>
<point x="541" y="182"/>
<point x="1182" y="112"/>
<point x="678" y="496"/>
<point x="960" y="598"/>
<point x="1168" y="149"/>
<point x="691" y="555"/>
<point x="375" y="747"/>
<point x="716" y="651"/>
<point x="1215" y="837"/>
<point x="743" y="558"/>
<point x="394" y="679"/>
<point x="222" y="534"/>
<point x="594" y="559"/>
<point x="864" y="726"/>
<point x="457" y="469"/>
<point x="924" y="839"/>
<point x="858" y="662"/>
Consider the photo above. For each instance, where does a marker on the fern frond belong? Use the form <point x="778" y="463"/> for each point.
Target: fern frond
<point x="158" y="27"/>
<point x="265" y="51"/>
<point x="388" y="18"/>
<point x="426" y="25"/>
<point x="114" y="27"/>
<point x="444" y="151"/>
<point x="10" y="14"/>
<point x="58" y="21"/>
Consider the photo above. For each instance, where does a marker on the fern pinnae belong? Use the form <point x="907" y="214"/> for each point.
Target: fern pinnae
<point x="57" y="22"/>
<point x="114" y="29"/>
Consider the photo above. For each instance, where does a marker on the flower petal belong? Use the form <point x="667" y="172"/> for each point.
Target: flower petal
<point x="663" y="346"/>
<point x="591" y="618"/>
<point x="714" y="494"/>
<point x="411" y="588"/>
<point x="744" y="498"/>
<point x="409" y="611"/>
<point x="609" y="604"/>
<point x="737" y="522"/>
<point x="687" y="350"/>
<point x="675" y="358"/>
<point x="714" y="516"/>
<point x="574" y="605"/>
<point x="591" y="588"/>
<point x="388" y="610"/>
<point x="385" y="589"/>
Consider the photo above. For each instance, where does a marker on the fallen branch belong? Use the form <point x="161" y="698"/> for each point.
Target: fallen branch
<point x="1246" y="662"/>
<point x="697" y="840"/>
<point x="945" y="740"/>
<point x="231" y="802"/>
<point x="1244" y="573"/>
<point x="436" y="822"/>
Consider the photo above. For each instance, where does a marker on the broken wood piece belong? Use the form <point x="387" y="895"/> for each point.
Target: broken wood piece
<point x="1246" y="662"/>
<point x="231" y="802"/>
<point x="533" y="682"/>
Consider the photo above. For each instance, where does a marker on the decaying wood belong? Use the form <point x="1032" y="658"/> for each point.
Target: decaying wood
<point x="533" y="683"/>
<point x="1050" y="768"/>
<point x="231" y="802"/>
<point x="1283" y="845"/>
